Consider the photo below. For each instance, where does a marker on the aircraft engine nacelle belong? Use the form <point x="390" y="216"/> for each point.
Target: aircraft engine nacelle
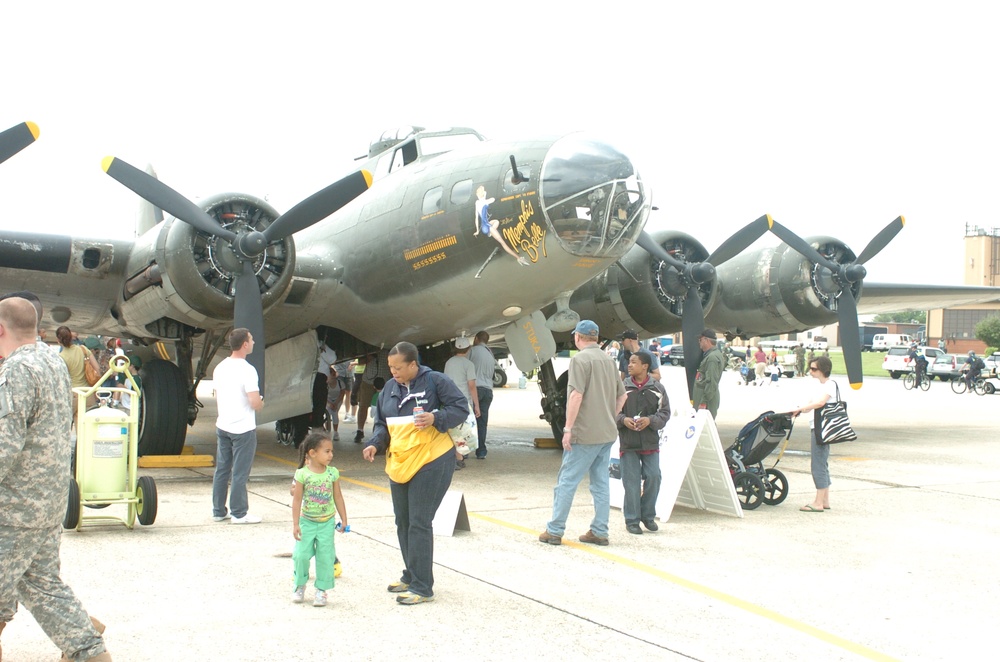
<point x="180" y="274"/>
<point x="640" y="292"/>
<point x="776" y="290"/>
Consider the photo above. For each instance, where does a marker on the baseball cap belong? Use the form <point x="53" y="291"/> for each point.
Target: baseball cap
<point x="630" y="335"/>
<point x="586" y="328"/>
<point x="462" y="343"/>
<point x="708" y="333"/>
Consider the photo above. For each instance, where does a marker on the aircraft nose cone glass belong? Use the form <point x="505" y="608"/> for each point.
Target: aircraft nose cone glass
<point x="592" y="197"/>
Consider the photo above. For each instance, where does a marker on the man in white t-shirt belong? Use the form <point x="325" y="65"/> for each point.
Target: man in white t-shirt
<point x="237" y="395"/>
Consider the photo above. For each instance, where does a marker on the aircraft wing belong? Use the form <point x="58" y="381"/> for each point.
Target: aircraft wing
<point x="78" y="280"/>
<point x="894" y="297"/>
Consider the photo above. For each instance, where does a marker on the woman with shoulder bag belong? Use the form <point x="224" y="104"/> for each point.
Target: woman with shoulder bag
<point x="415" y="410"/>
<point x="819" y="368"/>
<point x="76" y="357"/>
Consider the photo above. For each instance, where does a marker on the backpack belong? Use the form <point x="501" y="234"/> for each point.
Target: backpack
<point x="979" y="364"/>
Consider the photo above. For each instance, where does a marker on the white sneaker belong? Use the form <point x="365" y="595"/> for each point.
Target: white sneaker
<point x="348" y="418"/>
<point x="221" y="519"/>
<point x="336" y="436"/>
<point x="320" y="599"/>
<point x="246" y="519"/>
<point x="299" y="594"/>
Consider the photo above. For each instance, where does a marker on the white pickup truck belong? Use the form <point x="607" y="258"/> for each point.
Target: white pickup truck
<point x="897" y="359"/>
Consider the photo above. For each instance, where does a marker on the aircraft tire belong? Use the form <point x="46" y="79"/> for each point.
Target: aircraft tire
<point x="163" y="419"/>
<point x="499" y="377"/>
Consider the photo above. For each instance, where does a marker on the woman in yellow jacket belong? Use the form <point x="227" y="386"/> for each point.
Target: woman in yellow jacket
<point x="420" y="460"/>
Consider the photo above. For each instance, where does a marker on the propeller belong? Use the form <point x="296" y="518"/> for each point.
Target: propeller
<point x="16" y="138"/>
<point x="691" y="275"/>
<point x="249" y="244"/>
<point x="843" y="278"/>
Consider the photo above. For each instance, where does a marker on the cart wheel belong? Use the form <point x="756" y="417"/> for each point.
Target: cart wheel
<point x="775" y="487"/>
<point x="749" y="489"/>
<point x="73" y="508"/>
<point x="145" y="508"/>
<point x="989" y="389"/>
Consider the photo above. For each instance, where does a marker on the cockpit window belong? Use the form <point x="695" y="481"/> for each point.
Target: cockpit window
<point x="592" y="197"/>
<point x="405" y="154"/>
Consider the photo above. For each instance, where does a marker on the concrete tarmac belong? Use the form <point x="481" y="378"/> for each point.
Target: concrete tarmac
<point x="901" y="567"/>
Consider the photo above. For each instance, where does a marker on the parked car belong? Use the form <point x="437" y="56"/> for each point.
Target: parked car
<point x="897" y="359"/>
<point x="673" y="354"/>
<point x="992" y="362"/>
<point x="946" y="368"/>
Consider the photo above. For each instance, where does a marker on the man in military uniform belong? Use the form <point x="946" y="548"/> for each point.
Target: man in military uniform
<point x="800" y="360"/>
<point x="706" y="381"/>
<point x="34" y="465"/>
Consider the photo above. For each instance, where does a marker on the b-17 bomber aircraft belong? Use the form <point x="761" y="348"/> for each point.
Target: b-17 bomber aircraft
<point x="435" y="235"/>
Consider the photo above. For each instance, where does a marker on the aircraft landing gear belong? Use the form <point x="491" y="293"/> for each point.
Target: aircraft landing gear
<point x="553" y="398"/>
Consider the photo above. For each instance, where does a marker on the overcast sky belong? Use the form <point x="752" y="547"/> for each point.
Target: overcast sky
<point x="832" y="117"/>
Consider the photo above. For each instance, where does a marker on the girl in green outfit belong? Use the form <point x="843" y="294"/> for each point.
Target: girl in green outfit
<point x="316" y="498"/>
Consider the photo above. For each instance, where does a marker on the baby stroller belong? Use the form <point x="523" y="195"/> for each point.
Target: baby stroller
<point x="747" y="374"/>
<point x="754" y="483"/>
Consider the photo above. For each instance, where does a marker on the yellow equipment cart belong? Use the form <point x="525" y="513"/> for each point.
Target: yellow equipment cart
<point x="107" y="440"/>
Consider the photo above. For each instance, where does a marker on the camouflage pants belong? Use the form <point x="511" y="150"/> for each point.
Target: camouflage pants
<point x="29" y="572"/>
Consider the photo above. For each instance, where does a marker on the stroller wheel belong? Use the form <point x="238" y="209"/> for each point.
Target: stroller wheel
<point x="775" y="487"/>
<point x="749" y="489"/>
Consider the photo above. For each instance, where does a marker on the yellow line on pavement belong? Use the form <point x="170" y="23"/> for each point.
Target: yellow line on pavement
<point x="739" y="603"/>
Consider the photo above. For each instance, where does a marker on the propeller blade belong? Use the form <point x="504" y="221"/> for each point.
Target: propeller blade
<point x="740" y="241"/>
<point x="319" y="205"/>
<point x="692" y="324"/>
<point x="654" y="249"/>
<point x="800" y="245"/>
<point x="850" y="337"/>
<point x="164" y="197"/>
<point x="249" y="314"/>
<point x="880" y="240"/>
<point x="16" y="138"/>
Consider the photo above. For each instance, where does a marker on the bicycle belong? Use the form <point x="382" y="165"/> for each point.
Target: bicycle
<point x="909" y="381"/>
<point x="961" y="386"/>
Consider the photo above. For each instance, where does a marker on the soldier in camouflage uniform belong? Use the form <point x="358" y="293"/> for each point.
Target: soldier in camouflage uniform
<point x="34" y="465"/>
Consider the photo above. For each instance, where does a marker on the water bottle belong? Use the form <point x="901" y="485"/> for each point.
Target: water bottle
<point x="522" y="381"/>
<point x="416" y="412"/>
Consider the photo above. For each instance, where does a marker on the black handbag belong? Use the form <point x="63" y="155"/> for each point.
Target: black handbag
<point x="832" y="424"/>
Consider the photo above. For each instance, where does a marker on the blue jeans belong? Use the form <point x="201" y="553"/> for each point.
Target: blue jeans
<point x="232" y="460"/>
<point x="485" y="400"/>
<point x="819" y="462"/>
<point x="640" y="473"/>
<point x="415" y="503"/>
<point x="583" y="459"/>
